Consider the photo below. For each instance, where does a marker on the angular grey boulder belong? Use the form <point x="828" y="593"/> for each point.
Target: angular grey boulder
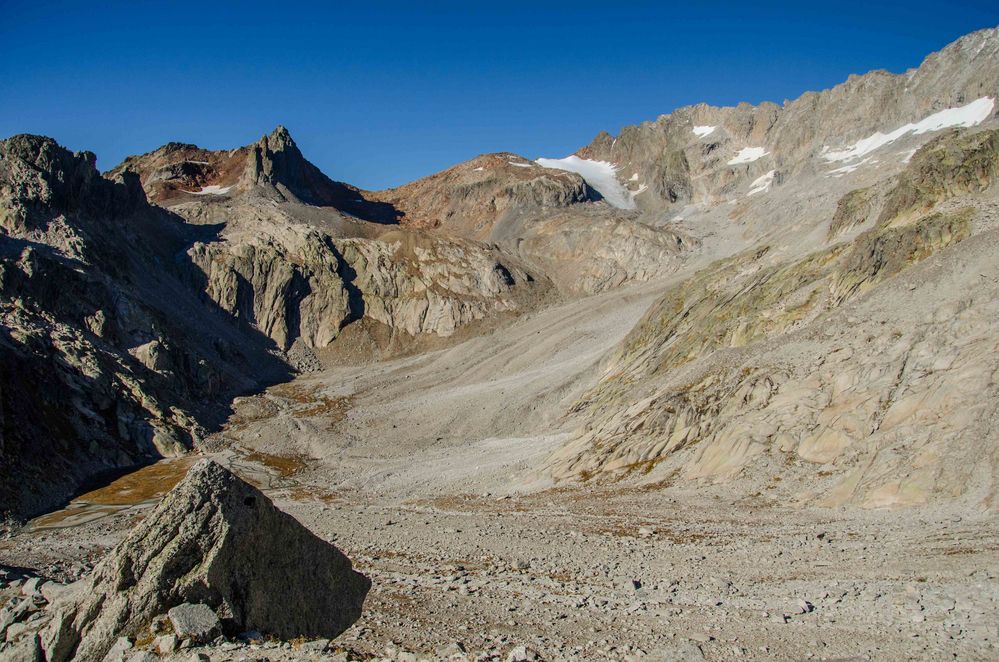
<point x="195" y="622"/>
<point x="217" y="541"/>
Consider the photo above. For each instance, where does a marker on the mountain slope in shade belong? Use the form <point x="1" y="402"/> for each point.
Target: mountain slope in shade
<point x="110" y="357"/>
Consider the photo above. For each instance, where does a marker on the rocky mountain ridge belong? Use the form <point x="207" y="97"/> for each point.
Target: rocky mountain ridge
<point x="726" y="378"/>
<point x="697" y="153"/>
<point x="273" y="167"/>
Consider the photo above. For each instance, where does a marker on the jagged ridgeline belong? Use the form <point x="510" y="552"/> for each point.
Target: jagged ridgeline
<point x="825" y="274"/>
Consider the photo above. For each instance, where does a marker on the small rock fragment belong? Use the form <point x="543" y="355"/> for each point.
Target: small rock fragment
<point x="166" y="643"/>
<point x="522" y="654"/>
<point x="196" y="622"/>
<point x="314" y="646"/>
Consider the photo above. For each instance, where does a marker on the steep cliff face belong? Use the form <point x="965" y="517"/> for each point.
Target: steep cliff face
<point x="287" y="290"/>
<point x="310" y="287"/>
<point x="298" y="257"/>
<point x="849" y="372"/>
<point x="422" y="284"/>
<point x="589" y="249"/>
<point x="105" y="363"/>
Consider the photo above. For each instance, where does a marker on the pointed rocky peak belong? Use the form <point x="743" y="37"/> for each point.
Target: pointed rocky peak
<point x="272" y="168"/>
<point x="276" y="169"/>
<point x="280" y="138"/>
<point x="276" y="160"/>
<point x="279" y="141"/>
<point x="216" y="541"/>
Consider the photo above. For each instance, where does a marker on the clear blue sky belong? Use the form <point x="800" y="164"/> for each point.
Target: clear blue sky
<point x="380" y="93"/>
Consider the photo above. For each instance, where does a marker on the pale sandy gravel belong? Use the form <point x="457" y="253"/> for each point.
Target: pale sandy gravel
<point x="719" y="580"/>
<point x="478" y="417"/>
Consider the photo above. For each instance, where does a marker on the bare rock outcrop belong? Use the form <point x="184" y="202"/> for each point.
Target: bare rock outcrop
<point x="476" y="198"/>
<point x="217" y="541"/>
<point x="287" y="283"/>
<point x="424" y="284"/>
<point x="295" y="282"/>
<point x="550" y="219"/>
<point x="591" y="248"/>
<point x="298" y="257"/>
<point x="849" y="373"/>
<point x="108" y="359"/>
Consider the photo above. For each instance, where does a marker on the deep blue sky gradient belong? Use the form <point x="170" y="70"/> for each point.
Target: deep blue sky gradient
<point x="380" y="93"/>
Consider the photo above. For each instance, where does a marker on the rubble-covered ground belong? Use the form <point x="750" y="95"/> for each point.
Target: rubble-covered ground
<point x="619" y="573"/>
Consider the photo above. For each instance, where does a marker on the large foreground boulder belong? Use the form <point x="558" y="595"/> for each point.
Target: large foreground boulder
<point x="217" y="541"/>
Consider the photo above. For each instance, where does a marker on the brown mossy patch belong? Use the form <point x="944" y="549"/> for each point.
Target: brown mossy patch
<point x="307" y="402"/>
<point x="144" y="484"/>
<point x="334" y="409"/>
<point x="283" y="465"/>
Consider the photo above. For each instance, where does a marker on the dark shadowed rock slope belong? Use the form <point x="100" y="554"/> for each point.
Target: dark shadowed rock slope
<point x="109" y="357"/>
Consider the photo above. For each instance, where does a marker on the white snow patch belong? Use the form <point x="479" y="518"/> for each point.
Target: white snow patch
<point x="479" y="169"/>
<point x="848" y="168"/>
<point x="598" y="174"/>
<point x="212" y="190"/>
<point x="520" y="165"/>
<point x="907" y="156"/>
<point x="748" y="155"/>
<point x="701" y="131"/>
<point x="762" y="184"/>
<point x="972" y="114"/>
<point x="634" y="178"/>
